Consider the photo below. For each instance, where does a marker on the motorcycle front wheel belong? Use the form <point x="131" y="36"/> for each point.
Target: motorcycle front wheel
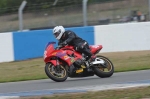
<point x="104" y="71"/>
<point x="56" y="74"/>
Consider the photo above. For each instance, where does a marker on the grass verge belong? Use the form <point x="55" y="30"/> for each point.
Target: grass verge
<point x="33" y="69"/>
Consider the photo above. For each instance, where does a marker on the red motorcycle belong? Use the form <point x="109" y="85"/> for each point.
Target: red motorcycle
<point x="63" y="62"/>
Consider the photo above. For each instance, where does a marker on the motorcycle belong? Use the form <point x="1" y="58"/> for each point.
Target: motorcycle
<point x="63" y="62"/>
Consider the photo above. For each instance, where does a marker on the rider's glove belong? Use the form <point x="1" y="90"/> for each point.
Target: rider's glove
<point x="64" y="43"/>
<point x="82" y="46"/>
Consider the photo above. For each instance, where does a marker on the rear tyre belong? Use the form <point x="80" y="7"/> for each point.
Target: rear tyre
<point x="102" y="72"/>
<point x="58" y="75"/>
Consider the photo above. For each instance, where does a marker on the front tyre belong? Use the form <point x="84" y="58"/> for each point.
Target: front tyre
<point x="102" y="71"/>
<point x="57" y="74"/>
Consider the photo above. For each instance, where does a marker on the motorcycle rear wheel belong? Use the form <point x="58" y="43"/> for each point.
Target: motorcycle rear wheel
<point x="52" y="73"/>
<point x="102" y="72"/>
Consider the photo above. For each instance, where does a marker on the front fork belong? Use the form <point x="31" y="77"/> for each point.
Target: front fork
<point x="58" y="68"/>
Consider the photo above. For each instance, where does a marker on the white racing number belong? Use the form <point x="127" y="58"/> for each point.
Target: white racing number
<point x="45" y="54"/>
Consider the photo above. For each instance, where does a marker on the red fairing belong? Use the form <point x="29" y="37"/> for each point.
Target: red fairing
<point x="95" y="48"/>
<point x="52" y="61"/>
<point x="48" y="50"/>
<point x="61" y="53"/>
<point x="65" y="54"/>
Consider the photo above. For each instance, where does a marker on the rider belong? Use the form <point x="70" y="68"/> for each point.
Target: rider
<point x="69" y="37"/>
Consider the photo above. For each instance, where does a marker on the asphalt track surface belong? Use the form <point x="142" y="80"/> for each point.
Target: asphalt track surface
<point x="48" y="84"/>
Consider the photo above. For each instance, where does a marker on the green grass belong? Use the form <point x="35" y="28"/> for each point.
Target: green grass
<point x="131" y="62"/>
<point x="33" y="69"/>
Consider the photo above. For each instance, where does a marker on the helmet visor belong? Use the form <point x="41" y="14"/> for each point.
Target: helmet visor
<point x="56" y="34"/>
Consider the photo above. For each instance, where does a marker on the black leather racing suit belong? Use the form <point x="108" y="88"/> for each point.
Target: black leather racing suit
<point x="79" y="44"/>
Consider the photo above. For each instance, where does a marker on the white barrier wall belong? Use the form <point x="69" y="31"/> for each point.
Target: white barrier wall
<point x="6" y="47"/>
<point x="123" y="37"/>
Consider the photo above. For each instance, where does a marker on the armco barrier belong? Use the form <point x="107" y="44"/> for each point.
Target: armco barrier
<point x="31" y="44"/>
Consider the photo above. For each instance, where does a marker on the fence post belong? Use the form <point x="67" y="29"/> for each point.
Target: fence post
<point x="55" y="2"/>
<point x="149" y="8"/>
<point x="23" y="4"/>
<point x="85" y="12"/>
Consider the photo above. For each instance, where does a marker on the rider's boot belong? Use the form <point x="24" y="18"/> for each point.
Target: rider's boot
<point x="91" y="59"/>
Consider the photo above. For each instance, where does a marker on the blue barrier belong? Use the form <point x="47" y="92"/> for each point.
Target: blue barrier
<point x="31" y="44"/>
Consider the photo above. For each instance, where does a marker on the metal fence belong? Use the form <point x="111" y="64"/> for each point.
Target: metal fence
<point x="119" y="11"/>
<point x="70" y="16"/>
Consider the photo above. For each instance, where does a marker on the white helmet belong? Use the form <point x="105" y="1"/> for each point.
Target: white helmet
<point x="58" y="31"/>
